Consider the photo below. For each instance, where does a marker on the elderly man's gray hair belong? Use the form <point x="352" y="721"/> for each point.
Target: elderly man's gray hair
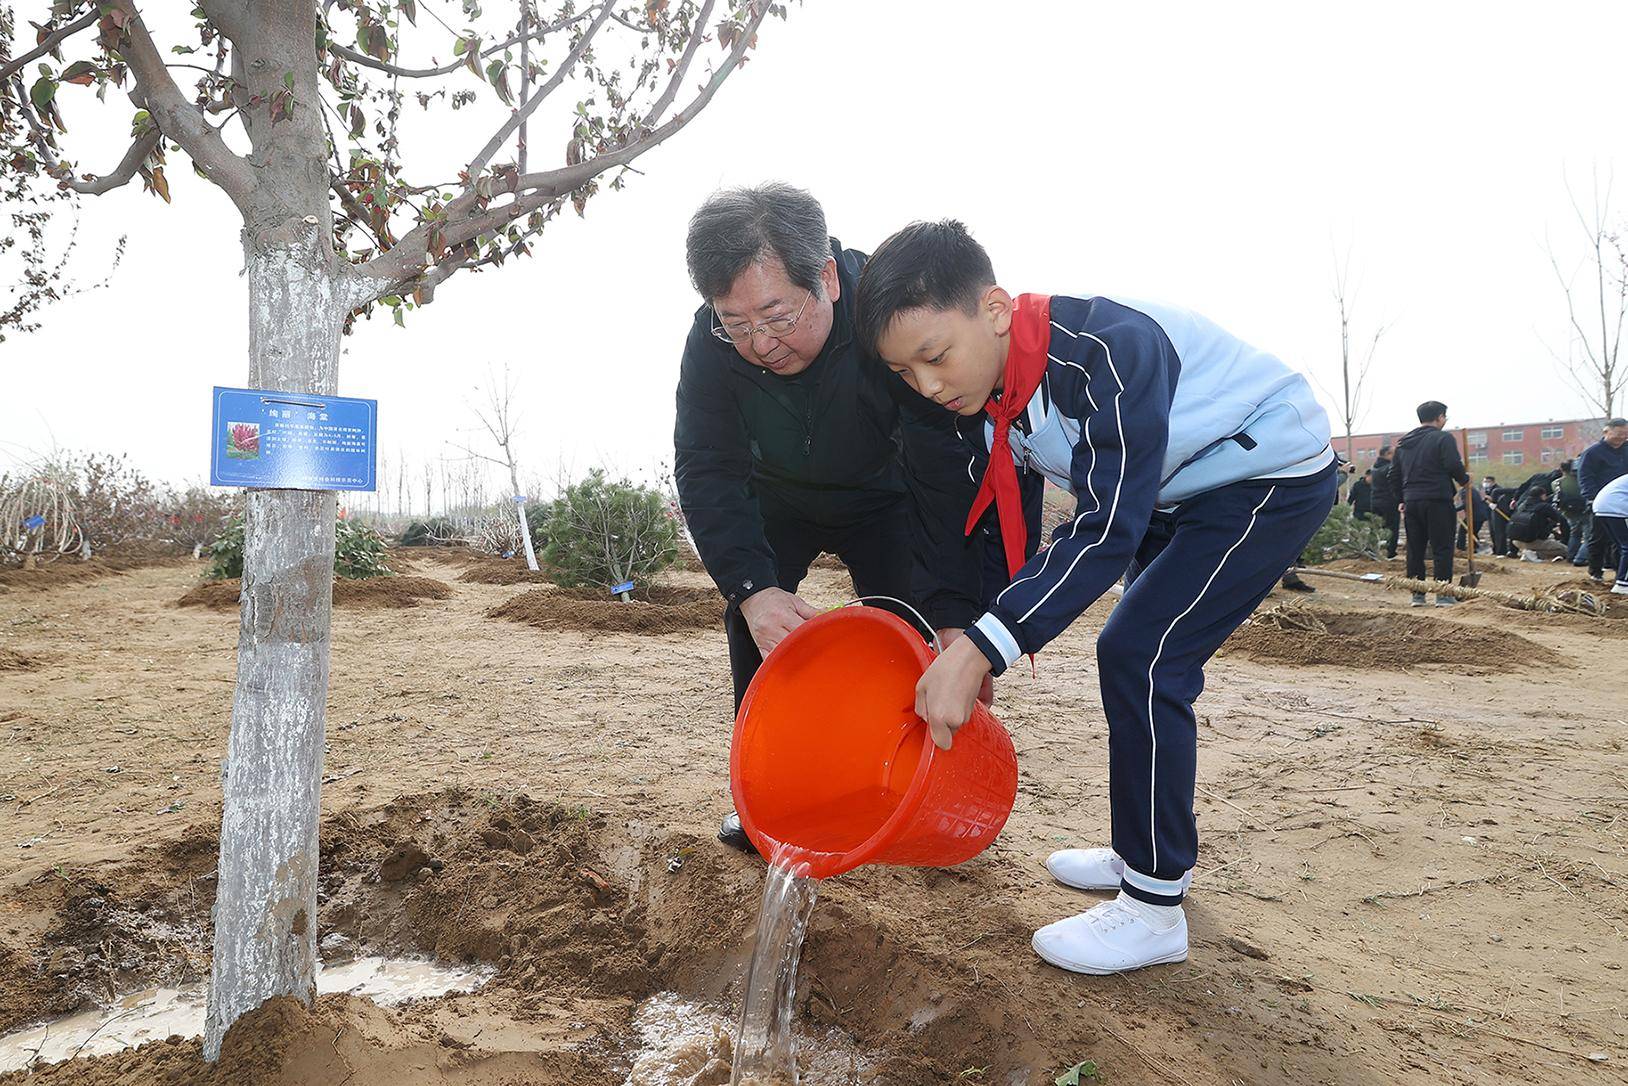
<point x="737" y="227"/>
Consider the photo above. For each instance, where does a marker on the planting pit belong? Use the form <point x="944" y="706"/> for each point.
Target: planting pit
<point x="654" y="609"/>
<point x="1295" y="634"/>
<point x="607" y="961"/>
<point x="371" y="592"/>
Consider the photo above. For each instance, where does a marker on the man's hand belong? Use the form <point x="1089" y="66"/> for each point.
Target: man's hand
<point x="986" y="691"/>
<point x="772" y="614"/>
<point x="947" y="692"/>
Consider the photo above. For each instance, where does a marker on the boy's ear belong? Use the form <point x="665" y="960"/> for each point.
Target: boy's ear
<point x="996" y="307"/>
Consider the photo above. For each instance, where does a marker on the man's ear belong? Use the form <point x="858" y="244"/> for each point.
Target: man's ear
<point x="996" y="307"/>
<point x="829" y="280"/>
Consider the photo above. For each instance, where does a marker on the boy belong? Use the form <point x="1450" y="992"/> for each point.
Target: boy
<point x="1201" y="467"/>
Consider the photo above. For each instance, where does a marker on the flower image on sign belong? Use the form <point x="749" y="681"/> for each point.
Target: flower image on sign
<point x="243" y="440"/>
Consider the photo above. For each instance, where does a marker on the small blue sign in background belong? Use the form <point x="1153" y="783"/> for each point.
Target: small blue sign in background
<point x="291" y="441"/>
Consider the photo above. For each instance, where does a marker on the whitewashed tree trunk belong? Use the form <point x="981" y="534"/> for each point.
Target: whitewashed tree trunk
<point x="520" y="508"/>
<point x="266" y="894"/>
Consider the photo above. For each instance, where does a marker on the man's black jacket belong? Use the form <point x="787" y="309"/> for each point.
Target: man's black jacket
<point x="824" y="447"/>
<point x="1428" y="464"/>
<point x="1383" y="495"/>
<point x="1361" y="497"/>
<point x="1535" y="518"/>
<point x="1598" y="465"/>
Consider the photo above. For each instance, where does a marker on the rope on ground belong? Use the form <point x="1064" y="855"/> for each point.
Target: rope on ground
<point x="1572" y="601"/>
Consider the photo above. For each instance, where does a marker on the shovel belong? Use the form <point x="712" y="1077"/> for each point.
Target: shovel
<point x="1471" y="578"/>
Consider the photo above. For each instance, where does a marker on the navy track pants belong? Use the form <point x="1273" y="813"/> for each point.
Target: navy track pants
<point x="1199" y="573"/>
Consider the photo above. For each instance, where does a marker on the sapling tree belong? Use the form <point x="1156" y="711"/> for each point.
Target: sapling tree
<point x="602" y="532"/>
<point x="294" y="111"/>
<point x="499" y="419"/>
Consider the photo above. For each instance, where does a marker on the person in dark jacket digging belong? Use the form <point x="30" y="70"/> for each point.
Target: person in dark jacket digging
<point x="1428" y="465"/>
<point x="788" y="444"/>
<point x="1361" y="497"/>
<point x="1385" y="499"/>
<point x="1600" y="463"/>
<point x="1503" y="499"/>
<point x="1537" y="527"/>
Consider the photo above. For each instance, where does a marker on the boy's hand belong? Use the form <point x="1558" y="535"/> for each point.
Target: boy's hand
<point x="986" y="691"/>
<point x="772" y="614"/>
<point x="946" y="693"/>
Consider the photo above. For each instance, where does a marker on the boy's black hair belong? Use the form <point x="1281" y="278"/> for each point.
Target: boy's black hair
<point x="1384" y="450"/>
<point x="927" y="265"/>
<point x="1431" y="410"/>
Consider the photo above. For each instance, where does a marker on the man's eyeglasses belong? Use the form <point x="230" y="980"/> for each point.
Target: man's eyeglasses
<point x="775" y="328"/>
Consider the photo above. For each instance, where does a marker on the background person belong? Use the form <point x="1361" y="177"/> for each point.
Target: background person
<point x="1601" y="462"/>
<point x="1537" y="527"/>
<point x="1428" y="464"/>
<point x="1611" y="507"/>
<point x="1385" y="498"/>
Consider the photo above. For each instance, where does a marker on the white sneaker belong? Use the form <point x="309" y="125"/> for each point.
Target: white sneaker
<point x="1111" y="938"/>
<point x="1530" y="556"/>
<point x="1093" y="869"/>
<point x="1618" y="589"/>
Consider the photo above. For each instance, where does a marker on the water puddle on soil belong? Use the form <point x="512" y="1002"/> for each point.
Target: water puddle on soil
<point x="690" y="1044"/>
<point x="158" y="1013"/>
<point x="684" y="1044"/>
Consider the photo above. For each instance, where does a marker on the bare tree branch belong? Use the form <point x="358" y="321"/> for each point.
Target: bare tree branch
<point x="176" y="117"/>
<point x="49" y="45"/>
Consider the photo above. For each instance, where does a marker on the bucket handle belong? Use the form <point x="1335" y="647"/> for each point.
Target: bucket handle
<point x="938" y="646"/>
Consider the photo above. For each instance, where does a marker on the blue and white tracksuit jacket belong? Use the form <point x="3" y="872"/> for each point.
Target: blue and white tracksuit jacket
<point x="1181" y="443"/>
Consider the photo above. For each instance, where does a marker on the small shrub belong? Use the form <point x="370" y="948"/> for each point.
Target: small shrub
<point x="359" y="552"/>
<point x="226" y="552"/>
<point x="1343" y="536"/>
<point x="602" y="531"/>
<point x="434" y="532"/>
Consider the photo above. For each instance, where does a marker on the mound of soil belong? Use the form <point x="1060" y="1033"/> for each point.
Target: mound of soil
<point x="1381" y="642"/>
<point x="63" y="571"/>
<point x="486" y="570"/>
<point x="372" y="592"/>
<point x="654" y="609"/>
<point x="12" y="660"/>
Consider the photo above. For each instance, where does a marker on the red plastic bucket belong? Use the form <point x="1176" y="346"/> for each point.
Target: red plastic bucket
<point x="830" y="759"/>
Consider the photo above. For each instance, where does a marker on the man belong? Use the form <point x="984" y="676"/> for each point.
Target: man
<point x="1600" y="463"/>
<point x="1502" y="499"/>
<point x="1361" y="497"/>
<point x="1385" y="499"/>
<point x="1569" y="497"/>
<point x="1428" y="464"/>
<point x="786" y="445"/>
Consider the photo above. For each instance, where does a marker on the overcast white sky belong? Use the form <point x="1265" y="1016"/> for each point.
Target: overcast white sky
<point x="1210" y="155"/>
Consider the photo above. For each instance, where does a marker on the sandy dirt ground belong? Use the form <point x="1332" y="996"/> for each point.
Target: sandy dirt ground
<point x="1414" y="863"/>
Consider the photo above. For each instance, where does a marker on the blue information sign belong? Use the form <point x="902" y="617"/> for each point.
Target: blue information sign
<point x="618" y="589"/>
<point x="291" y="441"/>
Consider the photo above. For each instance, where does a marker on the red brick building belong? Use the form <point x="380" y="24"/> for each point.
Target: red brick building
<point x="1507" y="452"/>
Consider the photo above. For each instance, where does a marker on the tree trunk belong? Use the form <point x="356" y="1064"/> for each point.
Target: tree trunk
<point x="266" y="893"/>
<point x="520" y="507"/>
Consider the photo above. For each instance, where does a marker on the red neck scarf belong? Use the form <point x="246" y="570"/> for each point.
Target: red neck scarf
<point x="1025" y="367"/>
